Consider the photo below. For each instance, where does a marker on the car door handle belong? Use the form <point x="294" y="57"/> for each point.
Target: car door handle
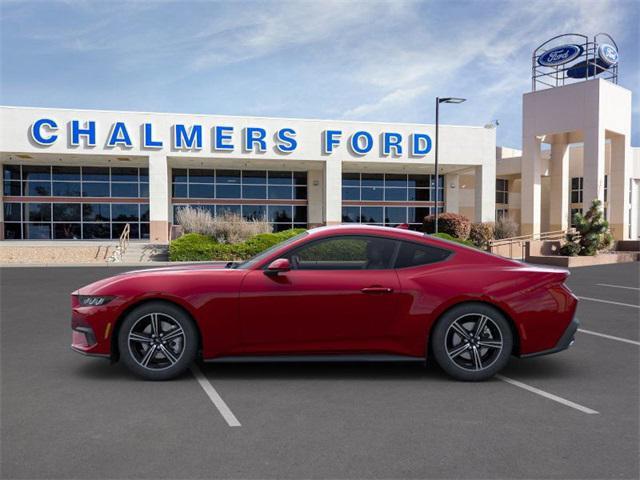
<point x="377" y="290"/>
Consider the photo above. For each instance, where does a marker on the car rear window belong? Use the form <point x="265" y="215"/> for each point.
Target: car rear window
<point x="414" y="254"/>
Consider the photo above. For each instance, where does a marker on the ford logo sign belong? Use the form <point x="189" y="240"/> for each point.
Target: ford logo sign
<point x="560" y="55"/>
<point x="608" y="54"/>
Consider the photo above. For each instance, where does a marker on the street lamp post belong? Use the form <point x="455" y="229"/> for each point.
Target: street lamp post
<point x="438" y="102"/>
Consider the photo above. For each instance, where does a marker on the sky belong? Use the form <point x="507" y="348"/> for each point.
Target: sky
<point x="345" y="60"/>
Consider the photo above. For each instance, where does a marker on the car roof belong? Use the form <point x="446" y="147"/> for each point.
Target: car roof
<point x="362" y="229"/>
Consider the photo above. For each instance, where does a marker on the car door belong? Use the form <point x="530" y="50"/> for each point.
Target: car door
<point x="341" y="295"/>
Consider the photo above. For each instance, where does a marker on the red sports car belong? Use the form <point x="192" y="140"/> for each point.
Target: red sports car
<point x="346" y="292"/>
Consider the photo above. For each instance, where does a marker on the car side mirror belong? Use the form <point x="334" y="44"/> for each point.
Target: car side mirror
<point x="278" y="266"/>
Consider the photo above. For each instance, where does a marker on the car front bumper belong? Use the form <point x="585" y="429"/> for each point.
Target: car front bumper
<point x="565" y="341"/>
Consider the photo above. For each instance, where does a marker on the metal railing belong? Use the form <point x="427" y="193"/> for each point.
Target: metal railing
<point x="123" y="244"/>
<point x="516" y="245"/>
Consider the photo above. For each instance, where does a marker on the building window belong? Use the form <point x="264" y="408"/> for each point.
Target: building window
<point x="576" y="190"/>
<point x="280" y="197"/>
<point x="502" y="190"/>
<point x="502" y="213"/>
<point x="606" y="187"/>
<point x="63" y="212"/>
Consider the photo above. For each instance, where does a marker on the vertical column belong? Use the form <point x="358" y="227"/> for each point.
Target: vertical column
<point x="332" y="191"/>
<point x="531" y="188"/>
<point x="559" y="191"/>
<point x="485" y="192"/>
<point x="452" y="195"/>
<point x="593" y="167"/>
<point x="618" y="188"/>
<point x="159" y="198"/>
<point x="1" y="208"/>
<point x="315" y="196"/>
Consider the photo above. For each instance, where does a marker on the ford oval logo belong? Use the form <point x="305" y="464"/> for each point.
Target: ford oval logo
<point x="560" y="55"/>
<point x="608" y="54"/>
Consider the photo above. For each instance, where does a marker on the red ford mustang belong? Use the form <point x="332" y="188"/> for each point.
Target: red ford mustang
<point x="334" y="292"/>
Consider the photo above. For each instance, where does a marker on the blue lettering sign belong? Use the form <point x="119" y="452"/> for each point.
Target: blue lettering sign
<point x="420" y="144"/>
<point x="89" y="131"/>
<point x="36" y="131"/>
<point x="359" y="147"/>
<point x="147" y="137"/>
<point x="286" y="140"/>
<point x="391" y="140"/>
<point x="186" y="139"/>
<point x="255" y="136"/>
<point x="119" y="136"/>
<point x="222" y="137"/>
<point x="330" y="140"/>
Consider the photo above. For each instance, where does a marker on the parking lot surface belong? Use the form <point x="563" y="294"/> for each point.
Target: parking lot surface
<point x="570" y="415"/>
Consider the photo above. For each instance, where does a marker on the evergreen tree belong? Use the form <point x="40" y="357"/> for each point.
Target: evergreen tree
<point x="592" y="233"/>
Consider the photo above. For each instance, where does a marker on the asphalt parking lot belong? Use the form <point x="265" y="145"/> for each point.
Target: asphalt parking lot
<point x="570" y="415"/>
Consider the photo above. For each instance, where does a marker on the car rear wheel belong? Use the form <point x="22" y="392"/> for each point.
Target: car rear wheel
<point x="472" y="342"/>
<point x="157" y="341"/>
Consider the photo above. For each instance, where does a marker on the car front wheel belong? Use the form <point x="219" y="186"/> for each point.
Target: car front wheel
<point x="472" y="342"/>
<point x="157" y="341"/>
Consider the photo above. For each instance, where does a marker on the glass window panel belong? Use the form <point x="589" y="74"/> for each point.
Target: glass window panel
<point x="350" y="214"/>
<point x="124" y="190"/>
<point x="372" y="193"/>
<point x="124" y="212"/>
<point x="37" y="212"/>
<point x="300" y="178"/>
<point x="413" y="254"/>
<point x="66" y="173"/>
<point x="350" y="193"/>
<point x="280" y="213"/>
<point x="12" y="212"/>
<point x="198" y="190"/>
<point x="144" y="230"/>
<point x="418" y="181"/>
<point x="11" y="172"/>
<point x="37" y="231"/>
<point x="37" y="189"/>
<point x="227" y="191"/>
<point x="95" y="174"/>
<point x="254" y="191"/>
<point x="36" y="172"/>
<point x="351" y="179"/>
<point x="96" y="212"/>
<point x="12" y="231"/>
<point x="395" y="180"/>
<point x="66" y="189"/>
<point x="300" y="193"/>
<point x="279" y="227"/>
<point x="234" y="209"/>
<point x="417" y="214"/>
<point x="254" y="212"/>
<point x="254" y="177"/>
<point x="117" y="228"/>
<point x="144" y="212"/>
<point x="96" y="230"/>
<point x="279" y="192"/>
<point x="201" y="175"/>
<point x="66" y="212"/>
<point x="144" y="174"/>
<point x="228" y="176"/>
<point x="124" y="174"/>
<point x="95" y="189"/>
<point x="300" y="214"/>
<point x="575" y="183"/>
<point x="395" y="215"/>
<point x="179" y="190"/>
<point x="144" y="190"/>
<point x="12" y="189"/>
<point x="395" y="194"/>
<point x="419" y="195"/>
<point x="280" y="178"/>
<point x="440" y="194"/>
<point x="371" y="215"/>
<point x="179" y="175"/>
<point x="372" y="179"/>
<point x="346" y="253"/>
<point x="70" y="231"/>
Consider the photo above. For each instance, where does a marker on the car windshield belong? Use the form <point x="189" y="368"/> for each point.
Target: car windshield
<point x="262" y="255"/>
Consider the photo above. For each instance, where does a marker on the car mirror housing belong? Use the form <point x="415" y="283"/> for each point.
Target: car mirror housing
<point x="277" y="266"/>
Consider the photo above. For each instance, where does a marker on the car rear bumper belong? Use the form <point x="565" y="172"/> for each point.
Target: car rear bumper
<point x="565" y="341"/>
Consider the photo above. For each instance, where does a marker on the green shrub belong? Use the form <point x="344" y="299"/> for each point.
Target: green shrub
<point x="191" y="247"/>
<point x="592" y="233"/>
<point x="446" y="236"/>
<point x="454" y="224"/>
<point x="481" y="233"/>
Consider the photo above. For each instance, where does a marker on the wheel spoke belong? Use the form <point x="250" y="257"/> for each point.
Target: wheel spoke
<point x="147" y="357"/>
<point x="480" y="325"/>
<point x="461" y="330"/>
<point x="139" y="337"/>
<point x="458" y="350"/>
<point x="490" y="343"/>
<point x="177" y="332"/>
<point x="155" y="327"/>
<point x="172" y="359"/>
<point x="477" y="360"/>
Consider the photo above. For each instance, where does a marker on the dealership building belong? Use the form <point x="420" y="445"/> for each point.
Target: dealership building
<point x="85" y="174"/>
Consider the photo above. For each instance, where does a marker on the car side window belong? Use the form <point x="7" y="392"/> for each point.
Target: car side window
<point x="345" y="253"/>
<point x="414" y="254"/>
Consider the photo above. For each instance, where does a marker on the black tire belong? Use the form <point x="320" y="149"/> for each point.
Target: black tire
<point x="162" y="355"/>
<point x="478" y="355"/>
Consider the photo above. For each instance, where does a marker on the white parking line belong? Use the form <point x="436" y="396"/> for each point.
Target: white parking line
<point x="610" y="337"/>
<point x="548" y="395"/>
<point x="617" y="286"/>
<point x="609" y="301"/>
<point x="217" y="400"/>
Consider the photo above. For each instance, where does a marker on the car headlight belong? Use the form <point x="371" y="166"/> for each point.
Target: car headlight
<point x="93" y="300"/>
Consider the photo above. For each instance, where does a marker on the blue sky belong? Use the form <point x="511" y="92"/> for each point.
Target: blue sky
<point x="369" y="60"/>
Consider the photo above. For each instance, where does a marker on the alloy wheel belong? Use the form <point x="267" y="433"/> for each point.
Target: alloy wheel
<point x="473" y="341"/>
<point x="156" y="341"/>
